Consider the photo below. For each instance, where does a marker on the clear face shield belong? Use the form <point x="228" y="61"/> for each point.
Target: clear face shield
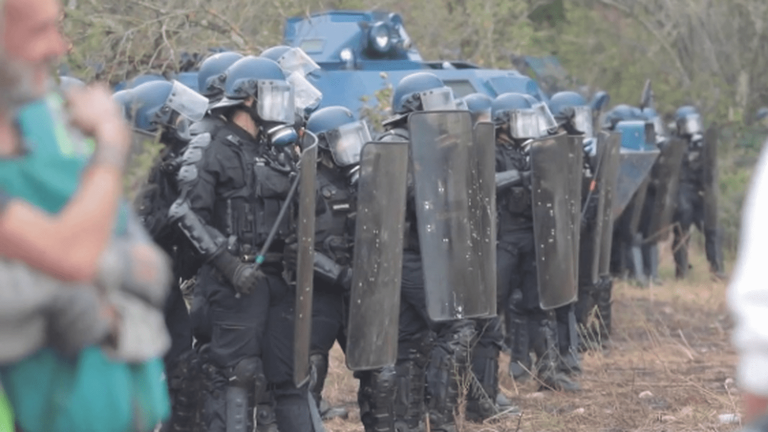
<point x="184" y="101"/>
<point x="440" y="99"/>
<point x="482" y="116"/>
<point x="692" y="125"/>
<point x="306" y="96"/>
<point x="524" y="124"/>
<point x="547" y="121"/>
<point x="583" y="121"/>
<point x="296" y="60"/>
<point x="187" y="102"/>
<point x="347" y="141"/>
<point x="276" y="102"/>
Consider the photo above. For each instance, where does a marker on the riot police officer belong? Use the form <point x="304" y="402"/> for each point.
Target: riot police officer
<point x="421" y="342"/>
<point x="233" y="186"/>
<point x="166" y="110"/>
<point x="572" y="112"/>
<point x="340" y="139"/>
<point x="697" y="196"/>
<point x="484" y="399"/>
<point x="528" y="326"/>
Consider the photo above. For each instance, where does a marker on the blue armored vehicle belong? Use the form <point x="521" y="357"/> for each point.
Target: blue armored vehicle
<point x="363" y="52"/>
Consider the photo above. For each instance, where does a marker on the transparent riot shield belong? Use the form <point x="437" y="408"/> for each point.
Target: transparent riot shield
<point x="634" y="167"/>
<point x="665" y="179"/>
<point x="554" y="232"/>
<point x="608" y="151"/>
<point x="374" y="308"/>
<point x="483" y="208"/>
<point x="444" y="158"/>
<point x="575" y="182"/>
<point x="306" y="259"/>
<point x="711" y="187"/>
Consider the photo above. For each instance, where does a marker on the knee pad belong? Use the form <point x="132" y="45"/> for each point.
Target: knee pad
<point x="249" y="374"/>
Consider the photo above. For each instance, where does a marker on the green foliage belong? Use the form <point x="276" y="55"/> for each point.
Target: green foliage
<point x="710" y="53"/>
<point x="146" y="152"/>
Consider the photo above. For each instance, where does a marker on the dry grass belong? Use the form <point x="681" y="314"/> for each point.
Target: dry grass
<point x="671" y="341"/>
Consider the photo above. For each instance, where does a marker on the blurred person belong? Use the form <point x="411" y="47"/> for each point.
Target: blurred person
<point x="748" y="298"/>
<point x="58" y="214"/>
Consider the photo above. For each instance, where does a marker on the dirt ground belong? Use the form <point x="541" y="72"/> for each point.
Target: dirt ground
<point x="670" y="368"/>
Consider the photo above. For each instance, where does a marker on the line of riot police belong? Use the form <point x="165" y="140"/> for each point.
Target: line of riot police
<point x="469" y="226"/>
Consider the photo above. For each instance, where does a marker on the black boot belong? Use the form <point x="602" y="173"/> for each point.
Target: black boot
<point x="319" y="371"/>
<point x="376" y="398"/>
<point x="410" y="395"/>
<point x="518" y="340"/>
<point x="568" y="344"/>
<point x="449" y="356"/>
<point x="547" y="358"/>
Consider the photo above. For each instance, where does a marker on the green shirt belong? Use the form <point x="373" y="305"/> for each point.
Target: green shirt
<point x="55" y="156"/>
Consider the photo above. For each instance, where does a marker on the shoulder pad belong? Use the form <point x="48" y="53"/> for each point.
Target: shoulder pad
<point x="192" y="155"/>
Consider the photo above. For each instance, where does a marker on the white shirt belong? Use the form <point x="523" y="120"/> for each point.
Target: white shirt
<point x="748" y="291"/>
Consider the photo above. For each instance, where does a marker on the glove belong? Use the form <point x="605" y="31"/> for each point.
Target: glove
<point x="245" y="278"/>
<point x="345" y="279"/>
<point x="291" y="253"/>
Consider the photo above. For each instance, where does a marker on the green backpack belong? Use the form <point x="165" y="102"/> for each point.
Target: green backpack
<point x="50" y="393"/>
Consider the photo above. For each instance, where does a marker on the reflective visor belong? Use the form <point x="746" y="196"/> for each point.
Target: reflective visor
<point x="693" y="124"/>
<point x="524" y="124"/>
<point x="296" y="60"/>
<point x="440" y="99"/>
<point x="347" y="141"/>
<point x="187" y="102"/>
<point x="583" y="121"/>
<point x="306" y="96"/>
<point x="276" y="102"/>
<point x="547" y="121"/>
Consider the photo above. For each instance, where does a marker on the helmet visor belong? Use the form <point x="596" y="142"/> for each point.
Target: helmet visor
<point x="276" y="102"/>
<point x="547" y="121"/>
<point x="347" y="141"/>
<point x="187" y="102"/>
<point x="583" y="121"/>
<point x="306" y="96"/>
<point x="296" y="60"/>
<point x="524" y="124"/>
<point x="692" y="124"/>
<point x="440" y="99"/>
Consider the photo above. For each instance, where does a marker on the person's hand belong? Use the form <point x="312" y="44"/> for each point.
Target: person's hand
<point x="245" y="278"/>
<point x="92" y="110"/>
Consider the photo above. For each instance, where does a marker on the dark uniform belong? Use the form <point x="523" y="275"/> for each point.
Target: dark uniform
<point x="690" y="211"/>
<point x="334" y="240"/>
<point x="232" y="186"/>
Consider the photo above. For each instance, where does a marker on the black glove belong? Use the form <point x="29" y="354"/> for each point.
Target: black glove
<point x="345" y="279"/>
<point x="245" y="278"/>
<point x="291" y="253"/>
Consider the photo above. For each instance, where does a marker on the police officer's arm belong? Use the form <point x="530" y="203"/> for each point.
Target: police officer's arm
<point x="68" y="245"/>
<point x="193" y="212"/>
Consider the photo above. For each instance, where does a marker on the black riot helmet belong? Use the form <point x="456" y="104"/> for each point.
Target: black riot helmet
<point x="479" y="105"/>
<point x="339" y="133"/>
<point x="522" y="116"/>
<point x="209" y="77"/>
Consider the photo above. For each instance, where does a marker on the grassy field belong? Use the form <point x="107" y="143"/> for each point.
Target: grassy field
<point x="670" y="368"/>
